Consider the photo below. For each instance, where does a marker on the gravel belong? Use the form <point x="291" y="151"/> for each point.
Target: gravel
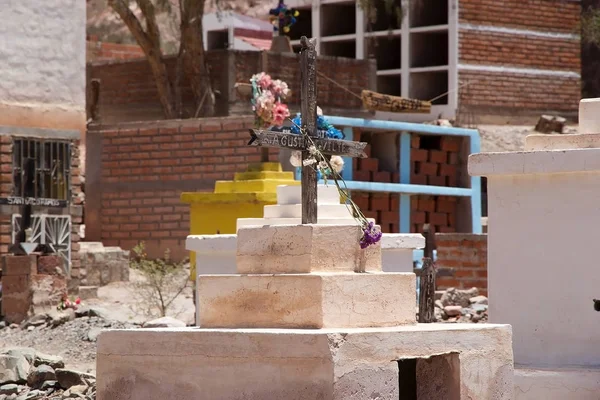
<point x="74" y="340"/>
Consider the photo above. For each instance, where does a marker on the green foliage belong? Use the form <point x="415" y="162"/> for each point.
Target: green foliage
<point x="590" y="26"/>
<point x="163" y="281"/>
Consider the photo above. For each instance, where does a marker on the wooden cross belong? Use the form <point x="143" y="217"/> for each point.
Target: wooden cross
<point x="308" y="109"/>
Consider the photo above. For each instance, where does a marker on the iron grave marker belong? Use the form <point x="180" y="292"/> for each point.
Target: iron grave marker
<point x="308" y="135"/>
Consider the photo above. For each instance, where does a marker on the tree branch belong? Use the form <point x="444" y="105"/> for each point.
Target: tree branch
<point x="133" y="23"/>
<point x="149" y="14"/>
<point x="150" y="43"/>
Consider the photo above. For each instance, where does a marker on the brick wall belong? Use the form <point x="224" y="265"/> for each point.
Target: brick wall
<point x="103" y="51"/>
<point x="75" y="209"/>
<point x="491" y="36"/>
<point x="136" y="173"/>
<point x="543" y="15"/>
<point x="461" y="261"/>
<point x="128" y="91"/>
<point x="436" y="161"/>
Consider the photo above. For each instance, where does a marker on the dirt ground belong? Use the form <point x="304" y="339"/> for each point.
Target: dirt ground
<point x="75" y="341"/>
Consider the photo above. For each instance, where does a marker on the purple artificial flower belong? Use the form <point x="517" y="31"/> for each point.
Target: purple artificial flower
<point x="371" y="235"/>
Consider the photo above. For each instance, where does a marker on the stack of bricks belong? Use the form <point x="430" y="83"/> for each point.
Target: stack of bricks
<point x="435" y="162"/>
<point x="28" y="282"/>
<point x="461" y="261"/>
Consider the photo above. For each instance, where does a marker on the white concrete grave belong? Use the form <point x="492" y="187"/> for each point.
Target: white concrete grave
<point x="297" y="321"/>
<point x="543" y="272"/>
<point x="215" y="254"/>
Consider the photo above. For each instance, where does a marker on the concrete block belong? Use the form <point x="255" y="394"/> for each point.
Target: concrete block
<point x="292" y="194"/>
<point x="300" y="364"/>
<point x="323" y="300"/>
<point x="589" y="116"/>
<point x="557" y="384"/>
<point x="304" y="249"/>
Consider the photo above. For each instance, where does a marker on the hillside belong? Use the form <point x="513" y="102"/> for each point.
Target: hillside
<point x="106" y="25"/>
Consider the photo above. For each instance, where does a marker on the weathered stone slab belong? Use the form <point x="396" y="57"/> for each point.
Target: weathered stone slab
<point x="297" y="249"/>
<point x="295" y="364"/>
<point x="323" y="300"/>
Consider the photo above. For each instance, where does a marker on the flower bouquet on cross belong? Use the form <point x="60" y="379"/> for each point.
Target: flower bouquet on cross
<point x="267" y="100"/>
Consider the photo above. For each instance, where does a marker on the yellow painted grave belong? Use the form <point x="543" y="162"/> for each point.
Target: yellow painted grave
<point x="243" y="197"/>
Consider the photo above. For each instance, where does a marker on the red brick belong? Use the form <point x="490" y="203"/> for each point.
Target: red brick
<point x="464" y="273"/>
<point x="382" y="176"/>
<point x="445" y="205"/>
<point x="361" y="200"/>
<point x="419" y="155"/>
<point x="451" y="181"/>
<point x="437" y="156"/>
<point x="438" y="218"/>
<point x="415" y="141"/>
<point x="453" y="158"/>
<point x="395" y="202"/>
<point x="371" y="214"/>
<point x="362" y="176"/>
<point x="390" y="217"/>
<point x="417" y="217"/>
<point x="368" y="164"/>
<point x="448" y="170"/>
<point x="19" y="265"/>
<point x="436" y="180"/>
<point x="451" y="143"/>
<point x="426" y="204"/>
<point x="444" y="282"/>
<point x="380" y="202"/>
<point x="396" y="177"/>
<point x="418" y="179"/>
<point x="423" y="168"/>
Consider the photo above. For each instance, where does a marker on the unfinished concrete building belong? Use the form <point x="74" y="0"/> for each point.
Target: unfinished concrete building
<point x="473" y="58"/>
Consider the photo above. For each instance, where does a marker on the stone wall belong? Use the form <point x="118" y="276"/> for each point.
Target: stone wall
<point x="128" y="91"/>
<point x="462" y="261"/>
<point x="519" y="58"/>
<point x="136" y="173"/>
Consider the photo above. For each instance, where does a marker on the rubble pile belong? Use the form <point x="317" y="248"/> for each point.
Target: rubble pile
<point x="455" y="305"/>
<point x="26" y="374"/>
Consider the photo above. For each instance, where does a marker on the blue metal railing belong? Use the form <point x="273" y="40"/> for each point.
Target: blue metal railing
<point x="405" y="189"/>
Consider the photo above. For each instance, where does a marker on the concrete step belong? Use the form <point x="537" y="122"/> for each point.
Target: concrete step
<point x="295" y="211"/>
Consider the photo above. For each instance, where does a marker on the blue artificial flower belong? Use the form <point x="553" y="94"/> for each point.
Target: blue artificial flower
<point x="322" y="125"/>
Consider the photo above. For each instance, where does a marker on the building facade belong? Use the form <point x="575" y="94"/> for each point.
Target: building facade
<point x="42" y="123"/>
<point x="474" y="58"/>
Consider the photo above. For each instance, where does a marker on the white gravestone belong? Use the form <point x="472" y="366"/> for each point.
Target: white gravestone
<point x="543" y="272"/>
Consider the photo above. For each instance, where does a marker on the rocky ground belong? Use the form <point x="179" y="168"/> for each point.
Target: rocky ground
<point x="464" y="306"/>
<point x="35" y="354"/>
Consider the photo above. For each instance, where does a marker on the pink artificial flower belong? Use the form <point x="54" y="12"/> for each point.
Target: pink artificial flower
<point x="264" y="81"/>
<point x="280" y="113"/>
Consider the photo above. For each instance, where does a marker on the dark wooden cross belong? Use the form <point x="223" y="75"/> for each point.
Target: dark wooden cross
<point x="308" y="109"/>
